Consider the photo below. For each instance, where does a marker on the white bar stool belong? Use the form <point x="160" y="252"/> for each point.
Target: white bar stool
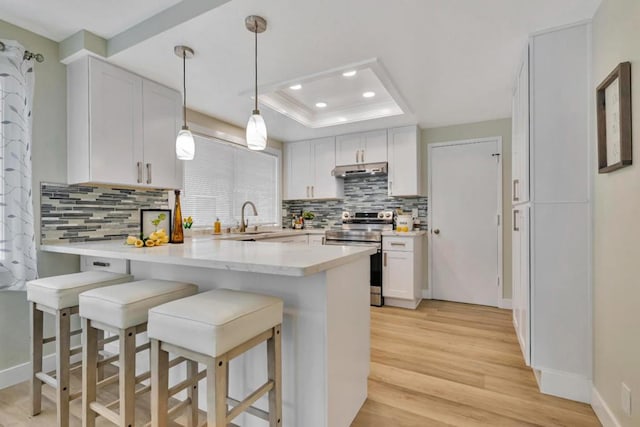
<point x="58" y="296"/>
<point x="123" y="310"/>
<point x="212" y="328"/>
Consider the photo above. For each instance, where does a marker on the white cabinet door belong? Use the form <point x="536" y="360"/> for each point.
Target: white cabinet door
<point x="323" y="157"/>
<point x="397" y="274"/>
<point x="374" y="147"/>
<point x="298" y="171"/>
<point x="161" y="125"/>
<point x="404" y="162"/>
<point x="115" y="116"/>
<point x="520" y="272"/>
<point x="520" y="135"/>
<point x="348" y="149"/>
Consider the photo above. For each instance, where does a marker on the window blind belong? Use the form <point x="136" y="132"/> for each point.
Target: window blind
<point x="222" y="177"/>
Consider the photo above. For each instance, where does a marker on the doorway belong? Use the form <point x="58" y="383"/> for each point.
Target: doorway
<point x="465" y="221"/>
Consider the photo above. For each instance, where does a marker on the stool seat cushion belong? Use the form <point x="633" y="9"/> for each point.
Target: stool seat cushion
<point x="214" y="322"/>
<point x="128" y="304"/>
<point x="60" y="292"/>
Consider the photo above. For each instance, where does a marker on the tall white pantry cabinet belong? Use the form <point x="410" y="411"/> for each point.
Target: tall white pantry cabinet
<point x="552" y="210"/>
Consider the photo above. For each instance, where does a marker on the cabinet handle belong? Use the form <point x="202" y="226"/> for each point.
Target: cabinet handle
<point x="515" y="220"/>
<point x="148" y="173"/>
<point x="385" y="259"/>
<point x="436" y="231"/>
<point x="398" y="244"/>
<point x="323" y="239"/>
<point x="516" y="182"/>
<point x="307" y="191"/>
<point x="357" y="156"/>
<point x="390" y="188"/>
<point x="101" y="264"/>
<point x="313" y="192"/>
<point x="139" y="164"/>
<point x="362" y="156"/>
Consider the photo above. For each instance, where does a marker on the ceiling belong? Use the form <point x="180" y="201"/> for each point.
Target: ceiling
<point x="451" y="61"/>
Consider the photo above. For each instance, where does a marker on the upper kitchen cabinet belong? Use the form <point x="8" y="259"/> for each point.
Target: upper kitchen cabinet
<point x="308" y="166"/>
<point x="405" y="161"/>
<point x="121" y="127"/>
<point x="366" y="147"/>
<point x="520" y="134"/>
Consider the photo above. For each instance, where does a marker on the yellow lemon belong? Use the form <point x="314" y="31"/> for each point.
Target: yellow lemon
<point x="153" y="236"/>
<point x="165" y="239"/>
<point x="157" y="242"/>
<point x="131" y="240"/>
<point x="139" y="243"/>
<point x="161" y="231"/>
<point x="149" y="243"/>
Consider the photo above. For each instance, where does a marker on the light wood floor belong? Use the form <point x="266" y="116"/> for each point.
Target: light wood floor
<point x="450" y="364"/>
<point x="444" y="364"/>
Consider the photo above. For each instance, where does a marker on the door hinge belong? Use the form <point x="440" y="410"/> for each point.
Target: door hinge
<point x="498" y="215"/>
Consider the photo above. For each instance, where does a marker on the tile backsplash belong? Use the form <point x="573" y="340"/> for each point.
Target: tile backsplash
<point x="368" y="194"/>
<point x="80" y="213"/>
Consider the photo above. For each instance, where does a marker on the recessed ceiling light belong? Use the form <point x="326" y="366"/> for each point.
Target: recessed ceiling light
<point x="369" y="94"/>
<point x="321" y="104"/>
<point x="350" y="73"/>
<point x="342" y="119"/>
<point x="295" y="87"/>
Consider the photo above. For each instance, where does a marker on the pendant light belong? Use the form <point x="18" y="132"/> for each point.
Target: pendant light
<point x="185" y="145"/>
<point x="256" y="128"/>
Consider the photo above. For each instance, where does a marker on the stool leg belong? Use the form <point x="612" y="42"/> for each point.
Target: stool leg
<point x="127" y="372"/>
<point x="192" y="416"/>
<point x="36" y="357"/>
<point x="100" y="348"/>
<point x="159" y="385"/>
<point x="89" y="372"/>
<point x="274" y="366"/>
<point x="63" y="346"/>
<point x="217" y="392"/>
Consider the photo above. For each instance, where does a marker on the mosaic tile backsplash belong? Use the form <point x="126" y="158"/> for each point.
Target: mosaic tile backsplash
<point x="368" y="194"/>
<point x="79" y="213"/>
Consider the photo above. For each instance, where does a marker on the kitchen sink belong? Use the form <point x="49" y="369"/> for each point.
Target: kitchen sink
<point x="251" y="233"/>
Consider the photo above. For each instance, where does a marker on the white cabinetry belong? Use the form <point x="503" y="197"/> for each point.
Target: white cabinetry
<point x="316" y="239"/>
<point x="366" y="147"/>
<point x="402" y="271"/>
<point x="308" y="166"/>
<point x="121" y="127"/>
<point x="405" y="160"/>
<point x="551" y="257"/>
<point x="298" y="240"/>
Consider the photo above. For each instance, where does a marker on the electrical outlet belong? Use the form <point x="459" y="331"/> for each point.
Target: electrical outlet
<point x="626" y="400"/>
<point x="414" y="213"/>
<point x="284" y="212"/>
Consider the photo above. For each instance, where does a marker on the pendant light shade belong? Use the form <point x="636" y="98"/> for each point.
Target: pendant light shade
<point x="256" y="127"/>
<point x="185" y="145"/>
<point x="256" y="133"/>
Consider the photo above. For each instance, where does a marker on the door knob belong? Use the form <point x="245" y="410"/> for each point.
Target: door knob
<point x="436" y="231"/>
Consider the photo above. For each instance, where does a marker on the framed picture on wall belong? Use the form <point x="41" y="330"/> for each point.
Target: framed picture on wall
<point x="613" y="98"/>
<point x="155" y="219"/>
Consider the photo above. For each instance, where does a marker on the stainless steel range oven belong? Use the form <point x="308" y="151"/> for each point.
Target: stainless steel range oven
<point x="365" y="229"/>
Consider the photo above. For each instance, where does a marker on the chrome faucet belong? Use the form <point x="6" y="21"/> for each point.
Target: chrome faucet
<point x="243" y="224"/>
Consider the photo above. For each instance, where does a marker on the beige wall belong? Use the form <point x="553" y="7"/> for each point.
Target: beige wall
<point x="49" y="164"/>
<point x="616" y="285"/>
<point x="490" y="128"/>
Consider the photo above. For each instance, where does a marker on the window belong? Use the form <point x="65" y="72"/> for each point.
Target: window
<point x="222" y="177"/>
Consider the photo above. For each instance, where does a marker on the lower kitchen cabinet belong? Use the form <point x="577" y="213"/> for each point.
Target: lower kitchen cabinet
<point x="316" y="239"/>
<point x="298" y="240"/>
<point x="402" y="270"/>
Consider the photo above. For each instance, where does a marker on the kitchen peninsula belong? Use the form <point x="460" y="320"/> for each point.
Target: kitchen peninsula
<point x="326" y="320"/>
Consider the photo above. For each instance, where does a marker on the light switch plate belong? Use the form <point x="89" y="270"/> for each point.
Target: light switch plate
<point x="626" y="400"/>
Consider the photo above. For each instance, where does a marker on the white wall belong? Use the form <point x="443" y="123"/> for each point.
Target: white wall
<point x="616" y="287"/>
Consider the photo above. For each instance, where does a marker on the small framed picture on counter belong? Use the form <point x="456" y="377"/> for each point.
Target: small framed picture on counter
<point x="155" y="219"/>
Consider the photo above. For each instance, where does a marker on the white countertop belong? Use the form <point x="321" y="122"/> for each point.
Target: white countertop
<point x="207" y="252"/>
<point x="268" y="234"/>
<point x="404" y="233"/>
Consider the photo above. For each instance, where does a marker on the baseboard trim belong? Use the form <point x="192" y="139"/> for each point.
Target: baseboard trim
<point x="426" y="294"/>
<point x="402" y="303"/>
<point x="506" y="303"/>
<point x="20" y="373"/>
<point x="565" y="384"/>
<point x="602" y="410"/>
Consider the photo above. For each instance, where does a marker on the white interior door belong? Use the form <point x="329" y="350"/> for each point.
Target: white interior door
<point x="464" y="203"/>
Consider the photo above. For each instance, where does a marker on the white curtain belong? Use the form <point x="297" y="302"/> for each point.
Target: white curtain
<point x="17" y="234"/>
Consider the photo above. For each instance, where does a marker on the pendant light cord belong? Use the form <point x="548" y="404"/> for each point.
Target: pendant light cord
<point x="184" y="87"/>
<point x="256" y="67"/>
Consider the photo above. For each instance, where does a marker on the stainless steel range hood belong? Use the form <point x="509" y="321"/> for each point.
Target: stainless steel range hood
<point x="362" y="169"/>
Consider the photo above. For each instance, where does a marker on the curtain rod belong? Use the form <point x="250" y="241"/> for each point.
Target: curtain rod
<point x="27" y="56"/>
